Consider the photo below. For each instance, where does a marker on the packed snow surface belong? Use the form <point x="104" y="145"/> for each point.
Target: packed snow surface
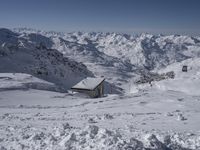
<point x="151" y="118"/>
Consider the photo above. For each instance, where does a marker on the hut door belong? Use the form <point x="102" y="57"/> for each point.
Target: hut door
<point x="99" y="92"/>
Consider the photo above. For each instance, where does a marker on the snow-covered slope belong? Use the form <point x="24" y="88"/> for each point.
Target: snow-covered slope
<point x="186" y="82"/>
<point x="20" y="81"/>
<point x="25" y="54"/>
<point x="152" y="119"/>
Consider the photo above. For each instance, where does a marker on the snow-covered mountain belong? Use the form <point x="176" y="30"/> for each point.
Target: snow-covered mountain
<point x="143" y="50"/>
<point x="118" y="57"/>
<point x="25" y="54"/>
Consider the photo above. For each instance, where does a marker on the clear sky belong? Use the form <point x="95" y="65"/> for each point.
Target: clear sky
<point x="153" y="16"/>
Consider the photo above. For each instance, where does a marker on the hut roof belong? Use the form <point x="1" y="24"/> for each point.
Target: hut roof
<point x="88" y="83"/>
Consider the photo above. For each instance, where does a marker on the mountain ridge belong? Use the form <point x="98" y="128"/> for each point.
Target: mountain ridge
<point x="118" y="57"/>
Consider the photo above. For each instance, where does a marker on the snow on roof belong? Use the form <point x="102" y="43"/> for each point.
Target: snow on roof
<point x="88" y="83"/>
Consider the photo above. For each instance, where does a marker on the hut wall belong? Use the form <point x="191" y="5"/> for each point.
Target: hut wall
<point x="100" y="90"/>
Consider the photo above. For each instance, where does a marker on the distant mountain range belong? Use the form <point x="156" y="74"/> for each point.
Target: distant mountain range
<point x="57" y="56"/>
<point x="143" y="50"/>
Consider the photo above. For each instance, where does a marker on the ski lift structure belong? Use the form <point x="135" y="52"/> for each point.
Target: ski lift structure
<point x="185" y="68"/>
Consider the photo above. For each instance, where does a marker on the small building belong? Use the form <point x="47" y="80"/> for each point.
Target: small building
<point x="94" y="87"/>
<point x="184" y="68"/>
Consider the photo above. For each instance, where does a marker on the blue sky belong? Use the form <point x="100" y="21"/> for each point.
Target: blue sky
<point x="128" y="16"/>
